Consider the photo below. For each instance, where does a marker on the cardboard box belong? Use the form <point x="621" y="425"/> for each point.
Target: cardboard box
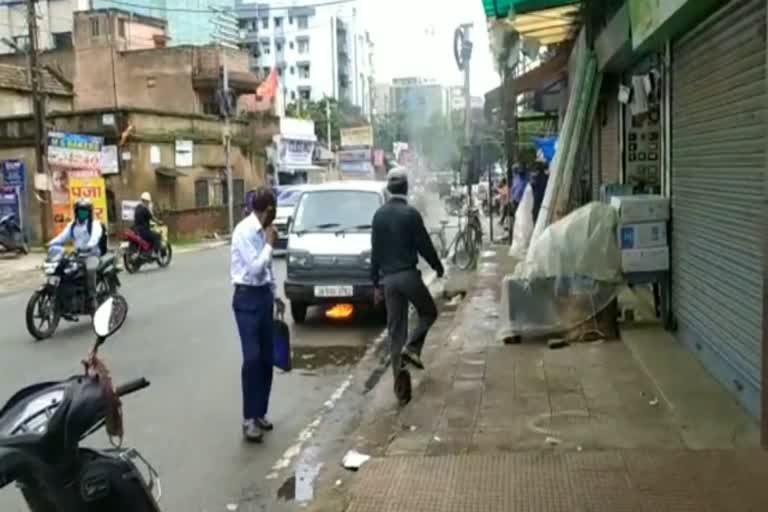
<point x="643" y="235"/>
<point x="645" y="260"/>
<point x="641" y="208"/>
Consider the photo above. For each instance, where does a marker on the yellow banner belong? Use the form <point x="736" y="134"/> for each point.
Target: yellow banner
<point x="89" y="185"/>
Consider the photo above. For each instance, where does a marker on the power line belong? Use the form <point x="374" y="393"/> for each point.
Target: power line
<point x="210" y="10"/>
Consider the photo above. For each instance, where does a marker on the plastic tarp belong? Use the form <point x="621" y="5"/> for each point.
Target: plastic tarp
<point x="570" y="273"/>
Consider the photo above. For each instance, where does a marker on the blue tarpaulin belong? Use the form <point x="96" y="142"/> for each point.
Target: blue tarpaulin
<point x="546" y="147"/>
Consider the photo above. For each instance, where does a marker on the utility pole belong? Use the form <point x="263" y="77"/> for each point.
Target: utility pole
<point x="38" y="108"/>
<point x="227" y="35"/>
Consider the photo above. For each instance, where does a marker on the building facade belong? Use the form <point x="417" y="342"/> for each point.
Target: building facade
<point x="318" y="50"/>
<point x="55" y="19"/>
<point x="418" y="99"/>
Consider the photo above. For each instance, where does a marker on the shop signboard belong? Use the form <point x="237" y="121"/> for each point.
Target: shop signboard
<point x="647" y="16"/>
<point x="74" y="151"/>
<point x="361" y="136"/>
<point x="128" y="209"/>
<point x="355" y="167"/>
<point x="295" y="152"/>
<point x="109" y="164"/>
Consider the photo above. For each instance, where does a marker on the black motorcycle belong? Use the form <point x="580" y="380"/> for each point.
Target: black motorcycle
<point x="65" y="292"/>
<point x="12" y="239"/>
<point x="42" y="426"/>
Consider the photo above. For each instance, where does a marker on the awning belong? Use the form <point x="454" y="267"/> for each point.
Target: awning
<point x="169" y="172"/>
<point x="547" y="26"/>
<point x="540" y="76"/>
<point x="502" y="8"/>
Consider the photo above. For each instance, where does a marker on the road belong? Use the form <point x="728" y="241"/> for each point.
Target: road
<point x="181" y="335"/>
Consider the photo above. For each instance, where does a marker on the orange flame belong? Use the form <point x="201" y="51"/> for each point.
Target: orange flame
<point x="340" y="311"/>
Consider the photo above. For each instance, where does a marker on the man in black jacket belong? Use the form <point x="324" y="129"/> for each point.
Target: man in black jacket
<point x="398" y="237"/>
<point x="142" y="221"/>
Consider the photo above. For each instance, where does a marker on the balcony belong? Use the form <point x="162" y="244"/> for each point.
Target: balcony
<point x="249" y="36"/>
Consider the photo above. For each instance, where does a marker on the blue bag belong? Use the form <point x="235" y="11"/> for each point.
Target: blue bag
<point x="282" y="344"/>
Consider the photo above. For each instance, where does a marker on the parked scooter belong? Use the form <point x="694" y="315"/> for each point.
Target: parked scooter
<point x="12" y="239"/>
<point x="42" y="426"/>
<point x="138" y="252"/>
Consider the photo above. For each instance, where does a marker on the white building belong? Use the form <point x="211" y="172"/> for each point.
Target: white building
<point x="54" y="20"/>
<point x="318" y="50"/>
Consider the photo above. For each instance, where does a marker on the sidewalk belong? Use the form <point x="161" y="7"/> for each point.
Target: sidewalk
<point x="633" y="425"/>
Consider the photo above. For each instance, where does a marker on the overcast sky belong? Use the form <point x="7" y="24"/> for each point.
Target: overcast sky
<point x="415" y="38"/>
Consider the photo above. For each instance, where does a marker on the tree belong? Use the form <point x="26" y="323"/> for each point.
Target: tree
<point x="342" y="113"/>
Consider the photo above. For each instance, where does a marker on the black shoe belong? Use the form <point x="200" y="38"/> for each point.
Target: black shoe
<point x="252" y="433"/>
<point x="403" y="387"/>
<point x="413" y="358"/>
<point x="264" y="424"/>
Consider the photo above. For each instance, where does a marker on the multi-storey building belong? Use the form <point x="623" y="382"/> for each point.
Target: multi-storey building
<point x="318" y="50"/>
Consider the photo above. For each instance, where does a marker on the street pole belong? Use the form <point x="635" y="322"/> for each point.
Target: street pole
<point x="463" y="55"/>
<point x="328" y="120"/>
<point x="39" y="114"/>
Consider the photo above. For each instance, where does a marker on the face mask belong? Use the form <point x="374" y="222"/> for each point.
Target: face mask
<point x="82" y="215"/>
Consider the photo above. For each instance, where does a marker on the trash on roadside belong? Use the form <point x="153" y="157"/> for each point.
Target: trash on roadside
<point x="338" y="483"/>
<point x="456" y="300"/>
<point x="654" y="402"/>
<point x="553" y="441"/>
<point x="579" y="449"/>
<point x="232" y="507"/>
<point x="437" y="439"/>
<point x="557" y="343"/>
<point x="354" y="459"/>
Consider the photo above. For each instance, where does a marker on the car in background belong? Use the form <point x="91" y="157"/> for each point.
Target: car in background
<point x="329" y="246"/>
<point x="287" y="197"/>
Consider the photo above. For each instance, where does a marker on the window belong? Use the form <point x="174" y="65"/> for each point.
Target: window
<point x="290" y="20"/>
<point x="62" y="40"/>
<point x="278" y="46"/>
<point x="278" y="22"/>
<point x="121" y="27"/>
<point x="304" y="71"/>
<point x="94" y="27"/>
<point x="201" y="194"/>
<point x="266" y="48"/>
<point x="302" y="21"/>
<point x="254" y="25"/>
<point x="238" y="192"/>
<point x="280" y="72"/>
<point x="293" y="95"/>
<point x="304" y="46"/>
<point x="264" y="22"/>
<point x="305" y="94"/>
<point x="292" y="69"/>
<point x="266" y="71"/>
<point x="242" y="24"/>
<point x="290" y="45"/>
<point x="22" y="42"/>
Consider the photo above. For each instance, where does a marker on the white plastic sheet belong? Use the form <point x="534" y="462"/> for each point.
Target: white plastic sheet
<point x="570" y="273"/>
<point x="523" y="226"/>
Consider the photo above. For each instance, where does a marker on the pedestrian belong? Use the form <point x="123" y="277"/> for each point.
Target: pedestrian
<point x="253" y="302"/>
<point x="503" y="192"/>
<point x="398" y="238"/>
<point x="519" y="182"/>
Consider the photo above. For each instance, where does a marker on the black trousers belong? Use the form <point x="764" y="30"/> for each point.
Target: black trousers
<point x="400" y="290"/>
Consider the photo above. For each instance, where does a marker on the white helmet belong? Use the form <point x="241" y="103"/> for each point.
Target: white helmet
<point x="146" y="197"/>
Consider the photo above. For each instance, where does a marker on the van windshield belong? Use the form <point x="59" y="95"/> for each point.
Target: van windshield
<point x="333" y="210"/>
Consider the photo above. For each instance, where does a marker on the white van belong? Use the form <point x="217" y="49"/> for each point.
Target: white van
<point x="329" y="245"/>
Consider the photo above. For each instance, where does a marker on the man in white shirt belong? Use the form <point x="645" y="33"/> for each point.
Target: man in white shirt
<point x="253" y="304"/>
<point x="89" y="238"/>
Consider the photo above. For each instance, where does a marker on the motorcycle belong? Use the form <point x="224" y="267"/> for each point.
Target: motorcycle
<point x="12" y="239"/>
<point x="42" y="427"/>
<point x="138" y="252"/>
<point x="65" y="291"/>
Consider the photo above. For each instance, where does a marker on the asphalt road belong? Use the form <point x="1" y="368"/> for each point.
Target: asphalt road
<point x="181" y="335"/>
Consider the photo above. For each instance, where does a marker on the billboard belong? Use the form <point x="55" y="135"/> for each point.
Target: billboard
<point x="361" y="136"/>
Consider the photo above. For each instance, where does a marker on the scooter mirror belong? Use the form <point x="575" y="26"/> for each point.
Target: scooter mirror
<point x="110" y="316"/>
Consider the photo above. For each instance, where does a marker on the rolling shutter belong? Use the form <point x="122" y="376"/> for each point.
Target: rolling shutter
<point x="718" y="183"/>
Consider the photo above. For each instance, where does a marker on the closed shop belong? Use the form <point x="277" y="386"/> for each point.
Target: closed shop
<point x="718" y="177"/>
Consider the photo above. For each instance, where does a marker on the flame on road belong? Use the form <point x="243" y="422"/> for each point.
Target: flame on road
<point x="340" y="311"/>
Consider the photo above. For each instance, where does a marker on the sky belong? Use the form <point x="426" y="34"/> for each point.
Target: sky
<point x="415" y="38"/>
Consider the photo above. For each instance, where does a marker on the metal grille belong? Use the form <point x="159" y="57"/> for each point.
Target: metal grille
<point x="718" y="187"/>
<point x="337" y="261"/>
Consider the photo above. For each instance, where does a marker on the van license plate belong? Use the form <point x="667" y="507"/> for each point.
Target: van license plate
<point x="334" y="291"/>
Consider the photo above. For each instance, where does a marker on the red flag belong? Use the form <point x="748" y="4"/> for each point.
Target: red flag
<point x="268" y="87"/>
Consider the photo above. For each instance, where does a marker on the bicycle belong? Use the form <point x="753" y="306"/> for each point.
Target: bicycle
<point x="465" y="244"/>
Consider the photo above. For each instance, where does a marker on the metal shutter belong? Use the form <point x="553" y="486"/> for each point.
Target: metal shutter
<point x="718" y="182"/>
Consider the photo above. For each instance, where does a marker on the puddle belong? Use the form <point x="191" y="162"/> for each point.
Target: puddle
<point x="312" y="358"/>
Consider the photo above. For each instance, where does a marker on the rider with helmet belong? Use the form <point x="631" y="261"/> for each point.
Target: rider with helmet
<point x="142" y="221"/>
<point x="89" y="238"/>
